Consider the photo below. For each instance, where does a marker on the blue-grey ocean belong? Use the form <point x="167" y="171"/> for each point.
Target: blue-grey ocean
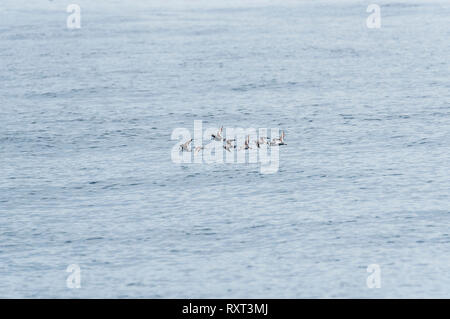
<point x="86" y="175"/>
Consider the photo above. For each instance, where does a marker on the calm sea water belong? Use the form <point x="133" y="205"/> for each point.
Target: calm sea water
<point x="86" y="174"/>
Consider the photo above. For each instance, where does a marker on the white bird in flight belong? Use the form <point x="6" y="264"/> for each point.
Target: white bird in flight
<point x="218" y="136"/>
<point x="261" y="141"/>
<point x="229" y="145"/>
<point x="184" y="147"/>
<point x="279" y="140"/>
<point x="246" y="144"/>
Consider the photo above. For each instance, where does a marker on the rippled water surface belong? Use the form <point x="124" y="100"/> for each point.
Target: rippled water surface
<point x="86" y="175"/>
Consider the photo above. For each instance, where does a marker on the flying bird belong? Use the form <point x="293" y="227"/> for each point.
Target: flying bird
<point x="261" y="141"/>
<point x="279" y="140"/>
<point x="246" y="143"/>
<point x="229" y="145"/>
<point x="198" y="149"/>
<point x="218" y="136"/>
<point x="184" y="147"/>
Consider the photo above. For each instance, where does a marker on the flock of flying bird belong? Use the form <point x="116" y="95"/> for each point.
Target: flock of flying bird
<point x="231" y="143"/>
